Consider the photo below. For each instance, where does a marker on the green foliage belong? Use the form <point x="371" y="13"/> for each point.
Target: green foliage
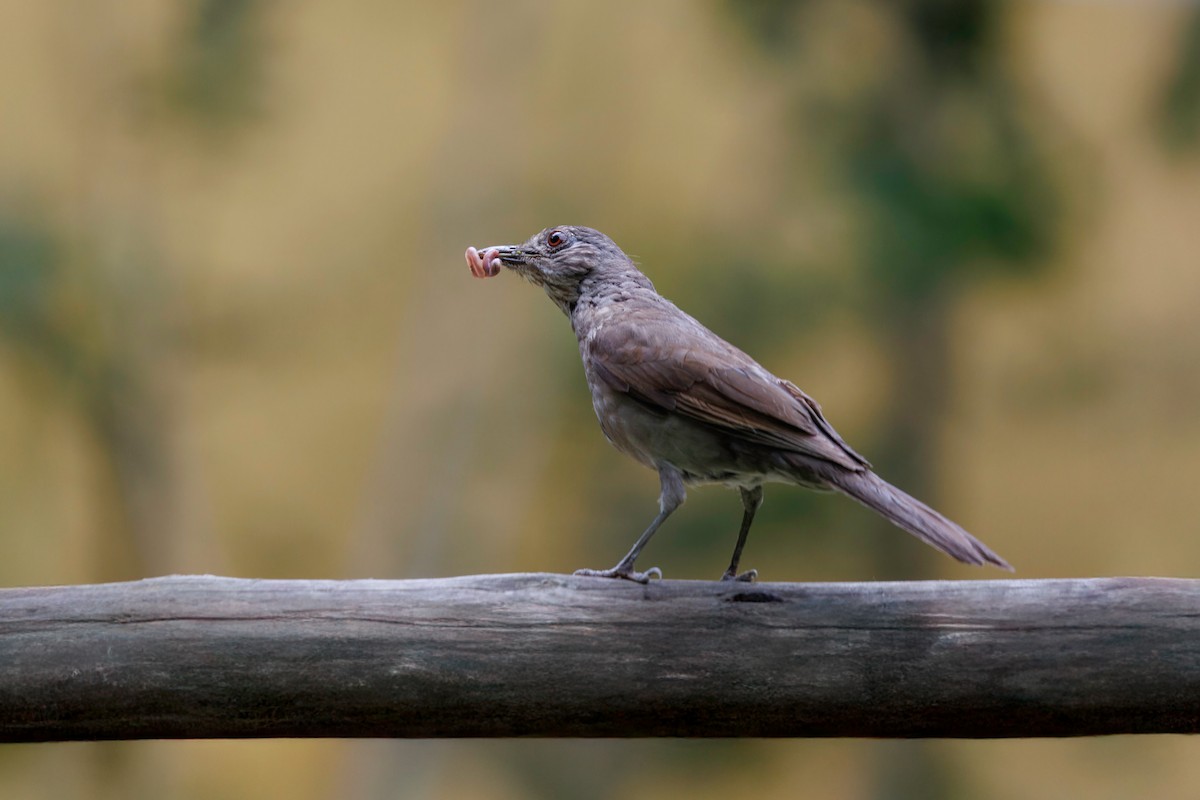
<point x="1179" y="113"/>
<point x="935" y="150"/>
<point x="34" y="319"/>
<point x="937" y="222"/>
<point x="214" y="78"/>
<point x="955" y="35"/>
<point x="27" y="272"/>
<point x="770" y="22"/>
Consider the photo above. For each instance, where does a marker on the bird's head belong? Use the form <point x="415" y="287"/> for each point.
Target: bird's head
<point x="562" y="260"/>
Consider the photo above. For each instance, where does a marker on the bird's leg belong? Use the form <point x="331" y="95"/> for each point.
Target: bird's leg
<point x="672" y="497"/>
<point x="751" y="500"/>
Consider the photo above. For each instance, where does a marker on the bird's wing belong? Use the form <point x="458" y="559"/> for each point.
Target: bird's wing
<point x="667" y="360"/>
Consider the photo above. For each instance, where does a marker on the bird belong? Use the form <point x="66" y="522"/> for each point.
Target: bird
<point x="684" y="402"/>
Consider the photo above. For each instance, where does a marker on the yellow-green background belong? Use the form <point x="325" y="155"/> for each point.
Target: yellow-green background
<point x="237" y="335"/>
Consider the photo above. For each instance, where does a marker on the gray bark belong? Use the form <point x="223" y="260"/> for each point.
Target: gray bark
<point x="556" y="655"/>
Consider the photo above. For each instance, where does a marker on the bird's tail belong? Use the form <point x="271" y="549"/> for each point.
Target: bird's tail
<point x="915" y="517"/>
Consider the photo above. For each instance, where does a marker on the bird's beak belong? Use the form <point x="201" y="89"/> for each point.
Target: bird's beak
<point x="507" y="253"/>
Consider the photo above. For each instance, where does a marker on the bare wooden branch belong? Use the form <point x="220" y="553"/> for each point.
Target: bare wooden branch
<point x="554" y="655"/>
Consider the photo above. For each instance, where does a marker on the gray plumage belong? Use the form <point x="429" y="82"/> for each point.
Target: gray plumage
<point x="678" y="398"/>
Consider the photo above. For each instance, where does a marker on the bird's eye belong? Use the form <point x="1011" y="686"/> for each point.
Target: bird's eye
<point x="556" y="238"/>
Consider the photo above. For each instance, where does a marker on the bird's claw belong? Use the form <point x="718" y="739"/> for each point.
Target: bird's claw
<point x="623" y="571"/>
<point x="748" y="576"/>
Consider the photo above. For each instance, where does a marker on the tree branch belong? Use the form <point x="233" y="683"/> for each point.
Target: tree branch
<point x="554" y="655"/>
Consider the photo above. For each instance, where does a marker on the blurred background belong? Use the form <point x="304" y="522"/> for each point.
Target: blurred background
<point x="237" y="334"/>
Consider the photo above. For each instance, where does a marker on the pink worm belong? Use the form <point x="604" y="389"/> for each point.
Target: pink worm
<point x="486" y="265"/>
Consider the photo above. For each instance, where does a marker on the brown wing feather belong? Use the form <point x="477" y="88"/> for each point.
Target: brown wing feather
<point x="668" y="360"/>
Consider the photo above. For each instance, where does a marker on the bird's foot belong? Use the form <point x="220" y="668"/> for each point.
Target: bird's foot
<point x="746" y="577"/>
<point x="624" y="571"/>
